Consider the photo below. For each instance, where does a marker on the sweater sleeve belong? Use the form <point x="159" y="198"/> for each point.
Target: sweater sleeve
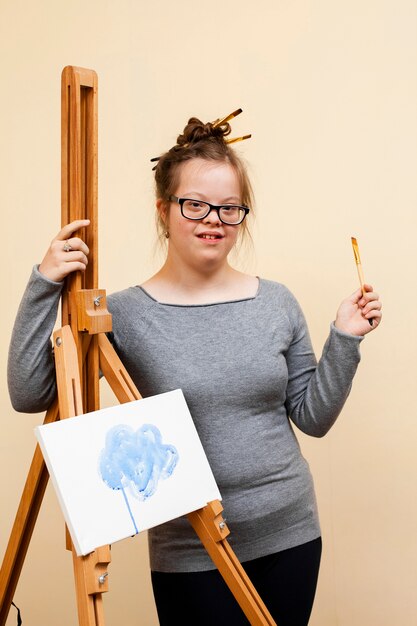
<point x="31" y="369"/>
<point x="316" y="394"/>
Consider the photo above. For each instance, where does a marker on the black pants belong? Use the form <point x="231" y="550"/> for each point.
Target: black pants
<point x="286" y="582"/>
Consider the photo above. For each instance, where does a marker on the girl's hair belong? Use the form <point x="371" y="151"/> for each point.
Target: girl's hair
<point x="199" y="141"/>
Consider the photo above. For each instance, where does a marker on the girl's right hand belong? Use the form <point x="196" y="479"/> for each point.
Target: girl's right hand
<point x="66" y="254"/>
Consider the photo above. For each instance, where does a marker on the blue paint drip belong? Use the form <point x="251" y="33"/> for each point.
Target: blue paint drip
<point x="136" y="461"/>
<point x="130" y="511"/>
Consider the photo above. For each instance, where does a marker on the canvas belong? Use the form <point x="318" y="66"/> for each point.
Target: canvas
<point x="121" y="470"/>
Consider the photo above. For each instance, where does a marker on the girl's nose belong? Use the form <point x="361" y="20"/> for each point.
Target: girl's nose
<point x="212" y="217"/>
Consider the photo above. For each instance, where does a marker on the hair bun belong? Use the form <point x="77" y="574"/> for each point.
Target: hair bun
<point x="196" y="130"/>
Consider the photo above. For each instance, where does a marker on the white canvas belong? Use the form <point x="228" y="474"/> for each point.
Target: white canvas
<point x="114" y="477"/>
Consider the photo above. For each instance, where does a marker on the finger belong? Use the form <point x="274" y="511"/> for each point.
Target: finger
<point x="73" y="243"/>
<point x="355" y="297"/>
<point x="375" y="316"/>
<point x="375" y="305"/>
<point x="73" y="266"/>
<point x="368" y="297"/>
<point x="71" y="228"/>
<point x="76" y="256"/>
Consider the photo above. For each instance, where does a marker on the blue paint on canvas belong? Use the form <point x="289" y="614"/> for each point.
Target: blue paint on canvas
<point x="136" y="461"/>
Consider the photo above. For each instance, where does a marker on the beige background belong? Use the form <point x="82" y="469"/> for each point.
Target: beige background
<point x="329" y="92"/>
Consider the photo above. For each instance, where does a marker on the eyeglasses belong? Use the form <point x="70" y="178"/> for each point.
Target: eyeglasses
<point x="232" y="214"/>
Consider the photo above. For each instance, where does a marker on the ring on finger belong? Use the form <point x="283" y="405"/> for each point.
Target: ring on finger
<point x="67" y="246"/>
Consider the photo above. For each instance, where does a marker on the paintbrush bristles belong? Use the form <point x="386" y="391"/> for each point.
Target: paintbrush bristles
<point x="356" y="250"/>
<point x="359" y="267"/>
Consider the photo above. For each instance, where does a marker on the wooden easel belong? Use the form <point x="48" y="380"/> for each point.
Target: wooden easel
<point x="81" y="348"/>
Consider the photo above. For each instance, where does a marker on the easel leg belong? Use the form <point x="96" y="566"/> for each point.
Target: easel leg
<point x="115" y="373"/>
<point x="212" y="530"/>
<point x="90" y="573"/>
<point x="24" y="524"/>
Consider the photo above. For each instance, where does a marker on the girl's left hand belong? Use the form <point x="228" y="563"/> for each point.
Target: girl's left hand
<point x="357" y="310"/>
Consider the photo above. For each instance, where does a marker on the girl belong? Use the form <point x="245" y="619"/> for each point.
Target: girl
<point x="239" y="348"/>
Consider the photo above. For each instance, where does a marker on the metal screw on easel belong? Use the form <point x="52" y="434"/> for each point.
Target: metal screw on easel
<point x="97" y="300"/>
<point x="222" y="525"/>
<point x="58" y="341"/>
<point x="102" y="578"/>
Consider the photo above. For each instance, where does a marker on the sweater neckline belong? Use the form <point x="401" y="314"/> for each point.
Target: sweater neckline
<point x="207" y="304"/>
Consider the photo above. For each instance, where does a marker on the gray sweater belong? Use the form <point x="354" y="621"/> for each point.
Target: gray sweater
<point x="248" y="372"/>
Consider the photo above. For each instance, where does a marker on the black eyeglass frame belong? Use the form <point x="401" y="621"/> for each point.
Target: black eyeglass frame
<point x="211" y="207"/>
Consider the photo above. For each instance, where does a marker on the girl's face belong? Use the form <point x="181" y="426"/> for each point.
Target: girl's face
<point x="205" y="243"/>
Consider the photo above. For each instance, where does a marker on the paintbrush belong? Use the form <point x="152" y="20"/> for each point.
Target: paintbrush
<point x="359" y="268"/>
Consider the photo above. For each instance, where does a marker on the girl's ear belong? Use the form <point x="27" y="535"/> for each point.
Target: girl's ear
<point x="162" y="208"/>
